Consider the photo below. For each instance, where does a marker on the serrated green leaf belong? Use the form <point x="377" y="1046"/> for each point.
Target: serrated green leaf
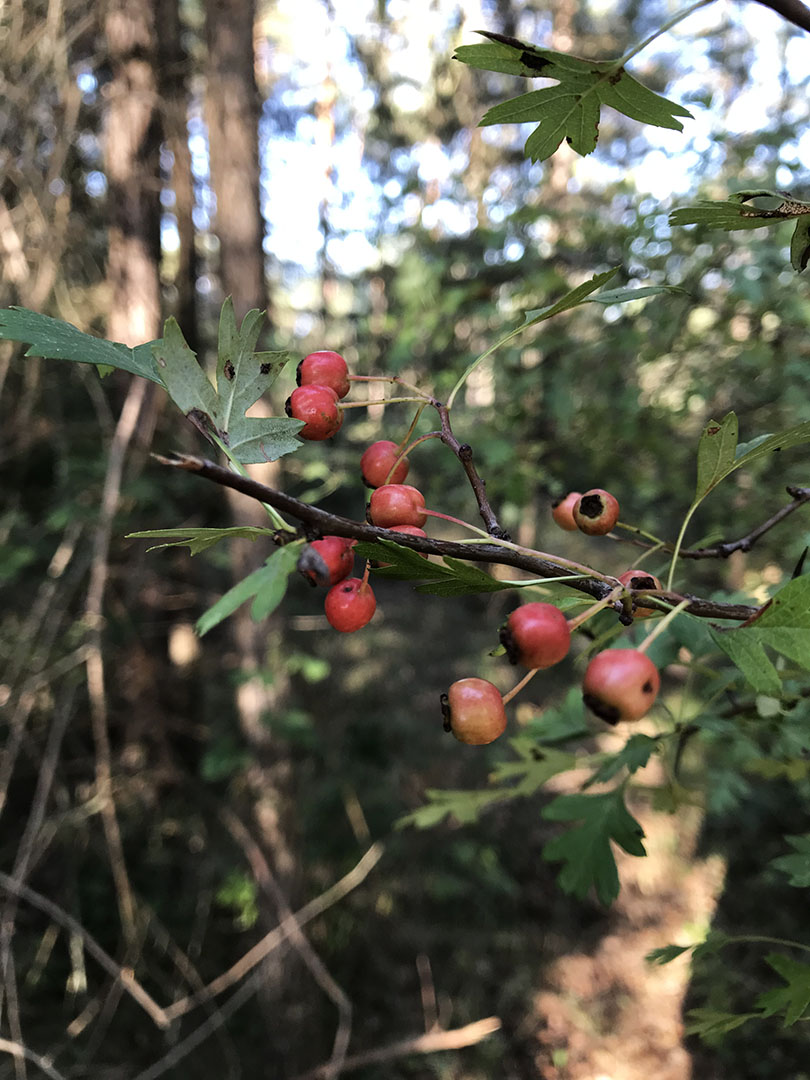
<point x="561" y="723"/>
<point x="56" y="340"/>
<point x="666" y="954"/>
<point x="537" y="765"/>
<point x="585" y="850"/>
<point x="711" y="1023"/>
<point x="266" y="586"/>
<point x="626" y="296"/>
<point x="792" y="1000"/>
<point x="251" y="440"/>
<point x="197" y="540"/>
<point x="796" y="866"/>
<point x="634" y="755"/>
<point x="464" y="806"/>
<point x="572" y="299"/>
<point x="716" y="453"/>
<point x="571" y="109"/>
<point x="243" y="374"/>
<point x="782" y="626"/>
<point x="736" y="213"/>
<point x="454" y="578"/>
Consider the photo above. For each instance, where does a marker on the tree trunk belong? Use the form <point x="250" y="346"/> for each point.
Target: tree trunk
<point x="132" y="148"/>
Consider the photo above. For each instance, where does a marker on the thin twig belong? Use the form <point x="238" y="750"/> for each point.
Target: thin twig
<point x="280" y="934"/>
<point x="463" y="452"/>
<point x="300" y="942"/>
<point x="124" y="431"/>
<point x="319" y="522"/>
<point x="22" y="1052"/>
<point x="429" y="1043"/>
<point x="102" y="958"/>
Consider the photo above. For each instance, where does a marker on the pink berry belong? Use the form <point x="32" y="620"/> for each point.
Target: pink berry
<point x="349" y="605"/>
<point x="638" y="579"/>
<point x="536" y="635"/>
<point x="337" y="556"/>
<point x="396" y="504"/>
<point x="596" y="512"/>
<point x="620" y="684"/>
<point x="474" y="712"/>
<point x="563" y="511"/>
<point x="378" y="461"/>
<point x="317" y="407"/>
<point x="324" y="368"/>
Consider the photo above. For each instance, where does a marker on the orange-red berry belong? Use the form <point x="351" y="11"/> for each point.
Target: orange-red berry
<point x="324" y="368"/>
<point x="638" y="579"/>
<point x="596" y="512"/>
<point x="317" y="406"/>
<point x="563" y="511"/>
<point x="620" y="684"/>
<point x="349" y="605"/>
<point x="378" y="461"/>
<point x="473" y="711"/>
<point x="396" y="504"/>
<point x="336" y="560"/>
<point x="536" y="635"/>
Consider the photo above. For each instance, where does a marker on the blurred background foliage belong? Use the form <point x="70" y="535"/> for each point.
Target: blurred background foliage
<point x="397" y="232"/>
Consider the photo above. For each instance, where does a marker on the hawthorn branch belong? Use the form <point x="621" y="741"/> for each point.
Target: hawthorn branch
<point x="463" y="452"/>
<point x="794" y="11"/>
<point x="317" y="522"/>
<point x="799" y="496"/>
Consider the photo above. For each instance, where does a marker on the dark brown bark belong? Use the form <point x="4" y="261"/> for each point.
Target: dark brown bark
<point x="173" y="70"/>
<point x="132" y="145"/>
<point x="232" y="112"/>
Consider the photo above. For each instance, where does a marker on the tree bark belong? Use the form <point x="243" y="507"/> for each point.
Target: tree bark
<point x="132" y="150"/>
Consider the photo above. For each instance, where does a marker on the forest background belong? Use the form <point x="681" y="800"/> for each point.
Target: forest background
<point x="173" y="798"/>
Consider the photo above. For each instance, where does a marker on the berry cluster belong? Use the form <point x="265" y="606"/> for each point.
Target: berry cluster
<point x="619" y="684"/>
<point x="323" y="379"/>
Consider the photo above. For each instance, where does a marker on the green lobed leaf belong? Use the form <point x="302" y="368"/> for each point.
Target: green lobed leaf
<point x="634" y="755"/>
<point x="666" y="954"/>
<point x="716" y="452"/>
<point x="719" y="454"/>
<point x="266" y="586"/>
<point x="792" y="1000"/>
<point x="570" y="110"/>
<point x="453" y="578"/>
<point x="585" y="850"/>
<point x="626" y="296"/>
<point x="782" y="626"/>
<point x="796" y="866"/>
<point x="54" y="339"/>
<point x="464" y="806"/>
<point x="197" y="540"/>
<point x="712" y="1023"/>
<point x="243" y="376"/>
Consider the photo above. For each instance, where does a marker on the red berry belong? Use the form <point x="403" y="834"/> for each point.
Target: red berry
<point x="563" y="511"/>
<point x="620" y="684"/>
<point x="638" y="579"/>
<point x="396" y="504"/>
<point x="474" y="712"/>
<point x="596" y="512"/>
<point x="336" y="555"/>
<point x="349" y="605"/>
<point x="317" y="407"/>
<point x="377" y="462"/>
<point x="536" y="635"/>
<point x="324" y="369"/>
